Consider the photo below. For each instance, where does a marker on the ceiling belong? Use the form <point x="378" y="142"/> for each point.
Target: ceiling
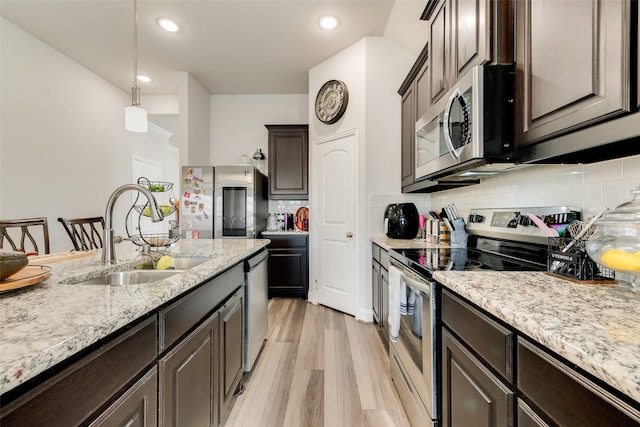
<point x="229" y="47"/>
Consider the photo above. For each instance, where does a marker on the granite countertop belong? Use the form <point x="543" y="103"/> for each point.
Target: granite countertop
<point x="387" y="243"/>
<point x="595" y="326"/>
<point x="46" y="323"/>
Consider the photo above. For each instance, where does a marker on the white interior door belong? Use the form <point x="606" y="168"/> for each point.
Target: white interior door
<point x="334" y="244"/>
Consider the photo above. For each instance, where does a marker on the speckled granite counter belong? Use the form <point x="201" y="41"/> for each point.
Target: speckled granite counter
<point x="46" y="323"/>
<point x="387" y="243"/>
<point x="597" y="327"/>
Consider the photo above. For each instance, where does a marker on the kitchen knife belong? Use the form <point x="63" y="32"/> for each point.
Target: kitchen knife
<point x="455" y="211"/>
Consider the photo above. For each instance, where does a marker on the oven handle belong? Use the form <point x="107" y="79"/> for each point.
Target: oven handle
<point x="416" y="284"/>
<point x="447" y="129"/>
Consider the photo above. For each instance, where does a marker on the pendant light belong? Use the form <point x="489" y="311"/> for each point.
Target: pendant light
<point x="135" y="117"/>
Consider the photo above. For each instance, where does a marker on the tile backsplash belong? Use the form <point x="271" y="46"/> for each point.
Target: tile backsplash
<point x="589" y="187"/>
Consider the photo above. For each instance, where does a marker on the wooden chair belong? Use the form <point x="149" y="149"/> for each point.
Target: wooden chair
<point x="18" y="232"/>
<point x="85" y="233"/>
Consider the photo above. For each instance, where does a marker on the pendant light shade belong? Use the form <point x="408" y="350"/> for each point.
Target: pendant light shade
<point x="135" y="117"/>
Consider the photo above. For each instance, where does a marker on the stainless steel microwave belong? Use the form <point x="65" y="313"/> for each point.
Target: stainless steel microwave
<point x="470" y="131"/>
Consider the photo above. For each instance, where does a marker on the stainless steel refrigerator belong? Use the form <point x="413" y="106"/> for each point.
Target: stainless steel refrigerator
<point x="196" y="202"/>
<point x="241" y="202"/>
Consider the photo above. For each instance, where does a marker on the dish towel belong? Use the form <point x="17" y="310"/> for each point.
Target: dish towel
<point x="397" y="299"/>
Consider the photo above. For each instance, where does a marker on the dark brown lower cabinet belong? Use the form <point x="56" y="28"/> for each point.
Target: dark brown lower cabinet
<point x="188" y="376"/>
<point x="79" y="391"/>
<point x="486" y="364"/>
<point x="288" y="266"/>
<point x="563" y="397"/>
<point x="136" y="408"/>
<point x="471" y="394"/>
<point x="231" y="335"/>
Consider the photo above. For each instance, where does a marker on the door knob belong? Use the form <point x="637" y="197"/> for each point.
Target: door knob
<point x="349" y="234"/>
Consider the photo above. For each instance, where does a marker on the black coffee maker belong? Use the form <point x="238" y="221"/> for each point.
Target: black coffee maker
<point x="401" y="221"/>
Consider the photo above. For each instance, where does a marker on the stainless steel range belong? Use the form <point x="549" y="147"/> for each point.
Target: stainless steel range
<point x="504" y="239"/>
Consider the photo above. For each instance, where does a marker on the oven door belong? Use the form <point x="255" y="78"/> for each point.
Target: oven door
<point x="413" y="356"/>
<point x="450" y="132"/>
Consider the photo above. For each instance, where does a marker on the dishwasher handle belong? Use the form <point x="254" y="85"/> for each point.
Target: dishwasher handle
<point x="252" y="262"/>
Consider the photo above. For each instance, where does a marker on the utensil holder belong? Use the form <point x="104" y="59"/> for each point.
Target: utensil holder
<point x="459" y="235"/>
<point x="575" y="264"/>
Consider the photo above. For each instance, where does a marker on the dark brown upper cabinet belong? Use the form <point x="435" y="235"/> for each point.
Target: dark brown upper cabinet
<point x="573" y="65"/>
<point x="288" y="162"/>
<point x="463" y="34"/>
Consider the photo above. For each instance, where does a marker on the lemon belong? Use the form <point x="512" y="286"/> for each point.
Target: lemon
<point x="618" y="259"/>
<point x="164" y="262"/>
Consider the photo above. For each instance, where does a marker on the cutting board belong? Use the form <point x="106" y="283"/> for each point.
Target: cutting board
<point x="60" y="256"/>
<point x="29" y="275"/>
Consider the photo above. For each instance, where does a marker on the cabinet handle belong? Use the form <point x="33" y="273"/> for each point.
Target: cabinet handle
<point x="349" y="234"/>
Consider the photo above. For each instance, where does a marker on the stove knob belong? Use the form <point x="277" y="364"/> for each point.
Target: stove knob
<point x="524" y="220"/>
<point x="476" y="218"/>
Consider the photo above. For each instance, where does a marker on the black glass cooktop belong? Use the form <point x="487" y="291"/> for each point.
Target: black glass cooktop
<point x="427" y="260"/>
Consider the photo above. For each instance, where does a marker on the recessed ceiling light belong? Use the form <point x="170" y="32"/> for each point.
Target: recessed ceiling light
<point x="168" y="25"/>
<point x="328" y="22"/>
<point x="144" y="79"/>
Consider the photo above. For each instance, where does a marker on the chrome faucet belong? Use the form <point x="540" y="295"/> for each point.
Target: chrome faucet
<point x="108" y="251"/>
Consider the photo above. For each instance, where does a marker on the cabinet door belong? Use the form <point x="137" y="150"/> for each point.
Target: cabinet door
<point x="527" y="416"/>
<point x="471" y="394"/>
<point x="138" y="407"/>
<point x="231" y="327"/>
<point x="573" y="57"/>
<point x="470" y="38"/>
<point x="439" y="45"/>
<point x="384" y="313"/>
<point x="376" y="292"/>
<point x="288" y="162"/>
<point x="408" y="136"/>
<point x="288" y="273"/>
<point x="188" y="377"/>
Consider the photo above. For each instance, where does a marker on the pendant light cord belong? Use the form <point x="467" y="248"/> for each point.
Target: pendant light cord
<point x="135" y="91"/>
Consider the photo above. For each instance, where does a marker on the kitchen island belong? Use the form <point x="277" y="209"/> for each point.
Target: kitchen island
<point x="45" y="324"/>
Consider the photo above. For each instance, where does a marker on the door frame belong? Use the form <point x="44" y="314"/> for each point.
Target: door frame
<point x="358" y="203"/>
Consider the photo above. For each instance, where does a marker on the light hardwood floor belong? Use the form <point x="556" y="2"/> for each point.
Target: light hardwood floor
<point x="319" y="367"/>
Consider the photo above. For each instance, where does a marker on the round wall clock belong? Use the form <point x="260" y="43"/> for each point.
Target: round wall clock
<point x="331" y="101"/>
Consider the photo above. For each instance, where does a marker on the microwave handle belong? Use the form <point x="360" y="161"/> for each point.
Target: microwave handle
<point x="447" y="128"/>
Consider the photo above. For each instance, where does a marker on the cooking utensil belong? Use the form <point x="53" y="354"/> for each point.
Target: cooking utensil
<point x="542" y="226"/>
<point x="588" y="229"/>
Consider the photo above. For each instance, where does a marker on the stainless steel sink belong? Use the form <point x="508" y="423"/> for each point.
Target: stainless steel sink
<point x="183" y="263"/>
<point x="131" y="277"/>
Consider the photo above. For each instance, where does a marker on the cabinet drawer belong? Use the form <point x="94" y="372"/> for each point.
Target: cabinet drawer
<point x="286" y="241"/>
<point x="566" y="397"/>
<point x="180" y="317"/>
<point x="375" y="252"/>
<point x="70" y="397"/>
<point x="384" y="259"/>
<point x="491" y="341"/>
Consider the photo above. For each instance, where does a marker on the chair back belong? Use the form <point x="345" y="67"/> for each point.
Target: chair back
<point x="85" y="233"/>
<point x="23" y="235"/>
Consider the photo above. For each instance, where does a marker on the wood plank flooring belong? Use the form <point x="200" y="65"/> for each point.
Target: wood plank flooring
<point x="319" y="367"/>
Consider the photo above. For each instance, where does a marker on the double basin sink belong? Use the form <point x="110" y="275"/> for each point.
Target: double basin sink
<point x="145" y="273"/>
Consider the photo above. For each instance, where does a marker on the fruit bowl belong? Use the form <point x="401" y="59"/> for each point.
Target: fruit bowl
<point x="616" y="243"/>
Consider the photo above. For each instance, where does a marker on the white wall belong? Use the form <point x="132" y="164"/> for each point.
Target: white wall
<point x="194" y="121"/>
<point x="372" y="69"/>
<point x="237" y="122"/>
<point x="589" y="187"/>
<point x="63" y="145"/>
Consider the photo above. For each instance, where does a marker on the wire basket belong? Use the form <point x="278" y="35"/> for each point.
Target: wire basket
<point x="145" y="210"/>
<point x="155" y="240"/>
<point x="575" y="264"/>
<point x="155" y="186"/>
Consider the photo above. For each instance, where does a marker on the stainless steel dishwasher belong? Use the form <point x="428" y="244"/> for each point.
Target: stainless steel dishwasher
<point x="255" y="307"/>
